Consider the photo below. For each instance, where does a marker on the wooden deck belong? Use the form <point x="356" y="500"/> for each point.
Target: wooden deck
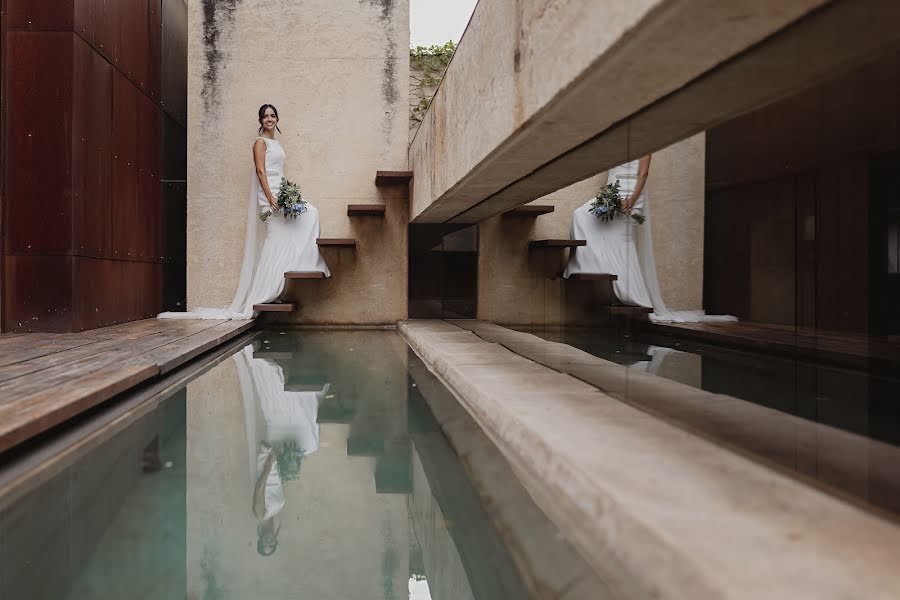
<point x="46" y="379"/>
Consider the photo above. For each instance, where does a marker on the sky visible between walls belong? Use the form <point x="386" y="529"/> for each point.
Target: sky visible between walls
<point x="435" y="22"/>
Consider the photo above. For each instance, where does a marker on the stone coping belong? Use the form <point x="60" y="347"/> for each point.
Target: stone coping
<point x="866" y="470"/>
<point x="656" y="510"/>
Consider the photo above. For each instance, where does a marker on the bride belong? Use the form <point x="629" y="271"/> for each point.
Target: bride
<point x="623" y="247"/>
<point x="271" y="249"/>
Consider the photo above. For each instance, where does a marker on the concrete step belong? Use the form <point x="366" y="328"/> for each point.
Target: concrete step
<point x="366" y="210"/>
<point x="336" y="243"/>
<point x="304" y="275"/>
<point x="383" y="178"/>
<point x="283" y="307"/>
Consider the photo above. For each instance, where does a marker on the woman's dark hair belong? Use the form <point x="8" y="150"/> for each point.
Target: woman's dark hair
<point x="262" y="113"/>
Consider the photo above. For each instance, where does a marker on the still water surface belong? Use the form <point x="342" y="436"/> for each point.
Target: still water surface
<point x="306" y="465"/>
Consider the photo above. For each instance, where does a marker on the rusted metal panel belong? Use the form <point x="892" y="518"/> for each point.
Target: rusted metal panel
<point x="41" y="14"/>
<point x="92" y="125"/>
<point x="37" y="293"/>
<point x="105" y="27"/>
<point x="40" y="142"/>
<point x="154" y="47"/>
<point x="130" y="54"/>
<point x="97" y="304"/>
<point x="149" y="233"/>
<point x="84" y="19"/>
<point x="126" y="184"/>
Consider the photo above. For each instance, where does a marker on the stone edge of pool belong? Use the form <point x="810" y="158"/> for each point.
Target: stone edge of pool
<point x="656" y="510"/>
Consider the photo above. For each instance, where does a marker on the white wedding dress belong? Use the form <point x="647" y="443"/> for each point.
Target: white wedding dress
<point x="271" y="249"/>
<point x="623" y="247"/>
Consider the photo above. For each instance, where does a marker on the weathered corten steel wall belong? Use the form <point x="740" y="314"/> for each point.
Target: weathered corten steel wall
<point x="337" y="70"/>
<point x="83" y="209"/>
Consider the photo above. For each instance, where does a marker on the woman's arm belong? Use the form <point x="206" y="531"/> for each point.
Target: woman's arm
<point x="643" y="172"/>
<point x="259" y="159"/>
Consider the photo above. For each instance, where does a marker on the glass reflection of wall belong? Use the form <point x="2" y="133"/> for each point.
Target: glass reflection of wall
<point x="802" y="201"/>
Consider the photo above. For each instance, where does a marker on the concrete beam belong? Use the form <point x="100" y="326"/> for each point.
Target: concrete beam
<point x="535" y="79"/>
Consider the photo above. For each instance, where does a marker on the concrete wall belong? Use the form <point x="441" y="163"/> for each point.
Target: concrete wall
<point x="338" y="73"/>
<point x="520" y="286"/>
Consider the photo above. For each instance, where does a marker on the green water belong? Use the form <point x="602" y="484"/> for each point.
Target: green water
<point x="307" y="465"/>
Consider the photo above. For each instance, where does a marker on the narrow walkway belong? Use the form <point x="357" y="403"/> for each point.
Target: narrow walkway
<point x="655" y="509"/>
<point x="847" y="348"/>
<point x="47" y="378"/>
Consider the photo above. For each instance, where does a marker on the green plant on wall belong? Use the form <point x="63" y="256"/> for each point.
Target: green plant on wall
<point x="427" y="66"/>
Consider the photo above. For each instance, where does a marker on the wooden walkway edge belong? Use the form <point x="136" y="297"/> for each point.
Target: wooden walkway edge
<point x="46" y="379"/>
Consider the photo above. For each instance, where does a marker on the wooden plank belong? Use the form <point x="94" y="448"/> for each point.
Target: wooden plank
<point x="173" y="355"/>
<point x="36" y="413"/>
<point x="41" y="393"/>
<point x="336" y="243"/>
<point x="51" y="370"/>
<point x="366" y="210"/>
<point x="393" y="177"/>
<point x="593" y="277"/>
<point x="556" y="243"/>
<point x="43" y="348"/>
<point x="283" y="307"/>
<point x="304" y="275"/>
<point x="530" y="211"/>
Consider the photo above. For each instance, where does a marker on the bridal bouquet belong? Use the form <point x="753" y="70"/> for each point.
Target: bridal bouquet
<point x="289" y="199"/>
<point x="608" y="204"/>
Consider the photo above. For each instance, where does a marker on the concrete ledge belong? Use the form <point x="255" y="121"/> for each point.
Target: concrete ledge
<point x="866" y="469"/>
<point x="657" y="511"/>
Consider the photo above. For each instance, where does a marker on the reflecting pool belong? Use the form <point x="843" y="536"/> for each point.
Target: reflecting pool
<point x="305" y="465"/>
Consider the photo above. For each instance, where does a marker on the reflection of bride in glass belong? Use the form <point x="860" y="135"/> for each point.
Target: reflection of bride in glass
<point x="281" y="430"/>
<point x="624" y="248"/>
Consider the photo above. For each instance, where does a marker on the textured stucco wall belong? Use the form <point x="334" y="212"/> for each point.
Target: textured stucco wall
<point x="338" y="72"/>
<point x="519" y="286"/>
<point x="676" y="189"/>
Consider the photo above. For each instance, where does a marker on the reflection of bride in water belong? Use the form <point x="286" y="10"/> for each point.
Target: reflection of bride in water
<point x="281" y="430"/>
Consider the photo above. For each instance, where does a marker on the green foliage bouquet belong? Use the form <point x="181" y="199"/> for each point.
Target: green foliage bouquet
<point x="289" y="199"/>
<point x="608" y="203"/>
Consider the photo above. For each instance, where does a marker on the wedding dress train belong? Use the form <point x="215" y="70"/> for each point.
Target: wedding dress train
<point x="623" y="247"/>
<point x="271" y="249"/>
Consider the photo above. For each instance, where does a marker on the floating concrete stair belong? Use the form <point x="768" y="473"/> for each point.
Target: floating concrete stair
<point x="366" y="210"/>
<point x="529" y="211"/>
<point x="593" y="277"/>
<point x="283" y="307"/>
<point x="304" y="275"/>
<point x="336" y="243"/>
<point x="556" y="243"/>
<point x="384" y="178"/>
